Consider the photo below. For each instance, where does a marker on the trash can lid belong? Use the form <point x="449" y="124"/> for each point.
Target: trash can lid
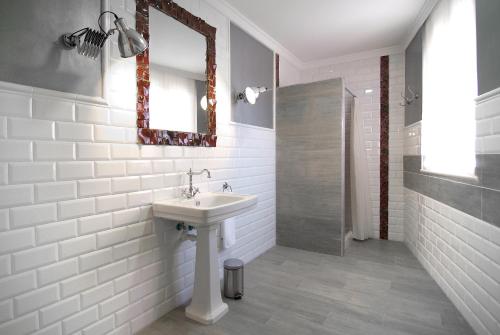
<point x="233" y="264"/>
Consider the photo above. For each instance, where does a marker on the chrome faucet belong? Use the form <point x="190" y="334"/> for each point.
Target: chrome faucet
<point x="192" y="191"/>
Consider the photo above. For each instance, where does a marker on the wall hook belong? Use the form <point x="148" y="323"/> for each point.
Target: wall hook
<point x="408" y="100"/>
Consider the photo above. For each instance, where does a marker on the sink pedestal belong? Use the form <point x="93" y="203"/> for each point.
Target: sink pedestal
<point x="206" y="305"/>
<point x="205" y="212"/>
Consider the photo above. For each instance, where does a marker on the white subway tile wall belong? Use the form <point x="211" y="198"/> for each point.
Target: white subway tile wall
<point x="361" y="75"/>
<point x="79" y="249"/>
<point x="461" y="253"/>
<point x="396" y="143"/>
<point x="412" y="139"/>
<point x="488" y="124"/>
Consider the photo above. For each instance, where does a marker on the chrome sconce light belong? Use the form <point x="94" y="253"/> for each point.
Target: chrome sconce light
<point x="89" y="42"/>
<point x="251" y="94"/>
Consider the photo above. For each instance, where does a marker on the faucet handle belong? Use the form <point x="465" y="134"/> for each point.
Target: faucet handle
<point x="226" y="187"/>
<point x="196" y="190"/>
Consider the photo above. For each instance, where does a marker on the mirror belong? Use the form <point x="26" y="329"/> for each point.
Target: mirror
<point x="176" y="78"/>
<point x="177" y="68"/>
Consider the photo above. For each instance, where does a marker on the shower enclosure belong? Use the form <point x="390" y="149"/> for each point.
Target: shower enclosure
<point x="312" y="191"/>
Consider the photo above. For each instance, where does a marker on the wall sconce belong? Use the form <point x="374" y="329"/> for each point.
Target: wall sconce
<point x="130" y="42"/>
<point x="251" y="94"/>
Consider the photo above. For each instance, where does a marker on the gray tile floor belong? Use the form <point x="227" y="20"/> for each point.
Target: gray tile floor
<point x="379" y="287"/>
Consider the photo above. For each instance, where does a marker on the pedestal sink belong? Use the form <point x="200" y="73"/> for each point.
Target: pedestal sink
<point x="206" y="211"/>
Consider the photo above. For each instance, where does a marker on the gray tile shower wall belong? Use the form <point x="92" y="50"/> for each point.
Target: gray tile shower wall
<point x="309" y="169"/>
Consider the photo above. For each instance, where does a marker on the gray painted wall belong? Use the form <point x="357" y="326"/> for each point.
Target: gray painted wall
<point x="252" y="64"/>
<point x="31" y="52"/>
<point x="413" y="78"/>
<point x="201" y="115"/>
<point x="309" y="166"/>
<point x="488" y="44"/>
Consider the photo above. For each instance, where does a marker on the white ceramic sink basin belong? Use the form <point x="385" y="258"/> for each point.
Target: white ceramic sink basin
<point x="206" y="211"/>
<point x="205" y="208"/>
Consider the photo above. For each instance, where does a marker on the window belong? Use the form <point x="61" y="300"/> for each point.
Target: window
<point x="173" y="98"/>
<point x="449" y="88"/>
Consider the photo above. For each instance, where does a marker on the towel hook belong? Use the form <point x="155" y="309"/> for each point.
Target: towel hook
<point x="409" y="100"/>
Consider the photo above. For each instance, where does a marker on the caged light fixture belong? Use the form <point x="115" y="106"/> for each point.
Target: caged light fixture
<point x="89" y="42"/>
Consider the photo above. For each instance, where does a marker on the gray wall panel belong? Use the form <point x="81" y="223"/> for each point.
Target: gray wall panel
<point x="488" y="44"/>
<point x="413" y="78"/>
<point x="32" y="54"/>
<point x="252" y="64"/>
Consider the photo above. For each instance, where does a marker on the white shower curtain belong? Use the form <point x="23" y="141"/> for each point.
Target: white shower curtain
<point x="361" y="209"/>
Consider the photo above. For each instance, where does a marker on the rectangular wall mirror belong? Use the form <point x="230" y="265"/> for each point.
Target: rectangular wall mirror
<point x="175" y="77"/>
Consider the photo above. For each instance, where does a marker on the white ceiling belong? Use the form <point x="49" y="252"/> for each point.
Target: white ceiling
<point x="315" y="30"/>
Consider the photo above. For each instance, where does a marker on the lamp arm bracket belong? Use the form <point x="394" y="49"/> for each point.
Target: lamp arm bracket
<point x="111" y="31"/>
<point x="99" y="19"/>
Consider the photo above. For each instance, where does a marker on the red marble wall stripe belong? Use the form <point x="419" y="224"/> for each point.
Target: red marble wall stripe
<point x="384" y="147"/>
<point x="146" y="135"/>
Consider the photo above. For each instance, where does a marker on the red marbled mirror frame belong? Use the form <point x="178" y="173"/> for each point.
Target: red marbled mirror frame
<point x="146" y="135"/>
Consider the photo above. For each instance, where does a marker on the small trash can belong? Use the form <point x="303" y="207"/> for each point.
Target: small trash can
<point x="233" y="278"/>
